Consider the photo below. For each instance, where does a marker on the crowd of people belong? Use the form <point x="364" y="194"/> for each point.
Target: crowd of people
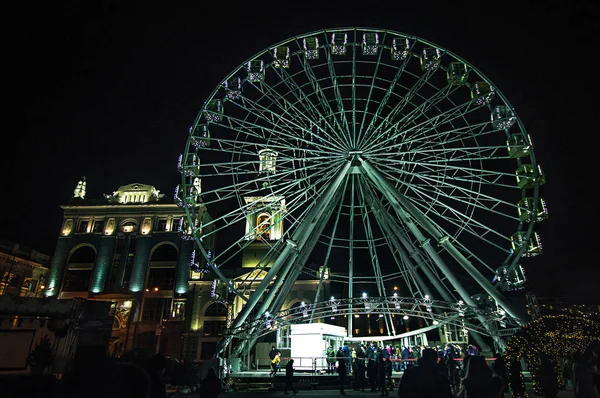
<point x="448" y="372"/>
<point x="371" y="367"/>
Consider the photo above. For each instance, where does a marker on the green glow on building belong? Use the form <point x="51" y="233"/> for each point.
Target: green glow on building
<point x="183" y="267"/>
<point x="59" y="259"/>
<point x="103" y="263"/>
<point x="140" y="262"/>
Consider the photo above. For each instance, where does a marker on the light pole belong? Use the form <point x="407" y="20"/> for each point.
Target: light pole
<point x="160" y="323"/>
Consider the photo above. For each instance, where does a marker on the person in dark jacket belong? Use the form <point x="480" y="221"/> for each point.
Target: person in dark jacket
<point x="547" y="377"/>
<point x="423" y="380"/>
<point x="480" y="380"/>
<point x="156" y="369"/>
<point x="382" y="374"/>
<point x="341" y="370"/>
<point x="499" y="368"/>
<point x="210" y="387"/>
<point x="289" y="378"/>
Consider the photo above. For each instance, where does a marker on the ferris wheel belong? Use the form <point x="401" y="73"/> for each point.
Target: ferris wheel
<point x="380" y="157"/>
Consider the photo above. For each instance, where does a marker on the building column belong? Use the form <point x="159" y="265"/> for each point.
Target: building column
<point x="103" y="264"/>
<point x="57" y="265"/>
<point x="140" y="263"/>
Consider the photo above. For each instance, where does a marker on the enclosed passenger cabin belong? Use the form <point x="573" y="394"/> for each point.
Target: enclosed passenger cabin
<point x="528" y="176"/>
<point x="519" y="145"/>
<point x="187" y="229"/>
<point x="200" y="136"/>
<point x="482" y="93"/>
<point x="400" y="49"/>
<point x="233" y="88"/>
<point x="511" y="280"/>
<point x="503" y="117"/>
<point x="531" y="248"/>
<point x="268" y="160"/>
<point x="311" y="47"/>
<point x="338" y="43"/>
<point x="528" y="212"/>
<point x="256" y="70"/>
<point x="213" y="111"/>
<point x="370" y="43"/>
<point x="282" y="57"/>
<point x="430" y="59"/>
<point x="190" y="166"/>
<point x="457" y="73"/>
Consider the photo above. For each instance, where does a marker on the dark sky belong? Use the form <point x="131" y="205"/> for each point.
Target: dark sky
<point x="109" y="89"/>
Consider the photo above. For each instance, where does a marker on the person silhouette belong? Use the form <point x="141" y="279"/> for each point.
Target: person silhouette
<point x="289" y="378"/>
<point x="210" y="387"/>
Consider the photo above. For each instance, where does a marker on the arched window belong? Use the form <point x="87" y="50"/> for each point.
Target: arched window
<point x="263" y="226"/>
<point x="164" y="252"/>
<point x="215" y="327"/>
<point x="163" y="263"/>
<point x="83" y="254"/>
<point x="216" y="309"/>
<point x="79" y="270"/>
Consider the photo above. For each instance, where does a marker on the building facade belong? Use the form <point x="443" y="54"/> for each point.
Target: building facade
<point x="134" y="248"/>
<point x="128" y="248"/>
<point x="22" y="270"/>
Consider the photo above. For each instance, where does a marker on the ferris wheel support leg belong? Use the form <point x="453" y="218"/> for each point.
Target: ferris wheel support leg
<point x="294" y="245"/>
<point x="481" y="280"/>
<point x="286" y="279"/>
<point x="404" y="205"/>
<point x="390" y="193"/>
<point x="416" y="257"/>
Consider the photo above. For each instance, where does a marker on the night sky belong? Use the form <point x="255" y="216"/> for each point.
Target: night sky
<point x="108" y="90"/>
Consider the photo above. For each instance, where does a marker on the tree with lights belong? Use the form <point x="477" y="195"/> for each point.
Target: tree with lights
<point x="553" y="336"/>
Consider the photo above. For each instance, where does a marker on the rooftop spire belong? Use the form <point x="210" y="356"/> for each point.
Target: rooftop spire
<point x="79" y="191"/>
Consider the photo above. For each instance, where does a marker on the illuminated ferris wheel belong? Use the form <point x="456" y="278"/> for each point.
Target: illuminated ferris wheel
<point x="381" y="157"/>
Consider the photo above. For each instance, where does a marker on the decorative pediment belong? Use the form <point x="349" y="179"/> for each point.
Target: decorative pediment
<point x="135" y="194"/>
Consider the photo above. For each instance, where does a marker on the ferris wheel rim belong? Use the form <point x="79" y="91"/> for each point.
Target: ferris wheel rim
<point x="498" y="93"/>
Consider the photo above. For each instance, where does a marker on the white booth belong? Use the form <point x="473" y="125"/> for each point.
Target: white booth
<point x="309" y="342"/>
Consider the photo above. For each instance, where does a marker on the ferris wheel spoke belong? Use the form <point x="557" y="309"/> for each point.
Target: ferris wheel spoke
<point x="429" y="134"/>
<point x="353" y="131"/>
<point x="324" y="102"/>
<point x="435" y="179"/>
<point x="455" y="135"/>
<point x="432" y="192"/>
<point x="274" y="120"/>
<point x="453" y="216"/>
<point x="305" y="102"/>
<point x="457" y="153"/>
<point x="418" y="131"/>
<point x="418" y="111"/>
<point x="287" y="173"/>
<point x="384" y="101"/>
<point x="248" y="129"/>
<point x="480" y="174"/>
<point x="471" y="196"/>
<point x="270" y="93"/>
<point x="381" y="131"/>
<point x="337" y="93"/>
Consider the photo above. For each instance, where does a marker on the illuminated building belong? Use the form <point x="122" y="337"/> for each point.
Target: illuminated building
<point x="22" y="270"/>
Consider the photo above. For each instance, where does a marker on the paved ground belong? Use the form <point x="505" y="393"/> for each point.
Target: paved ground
<point x="329" y="393"/>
